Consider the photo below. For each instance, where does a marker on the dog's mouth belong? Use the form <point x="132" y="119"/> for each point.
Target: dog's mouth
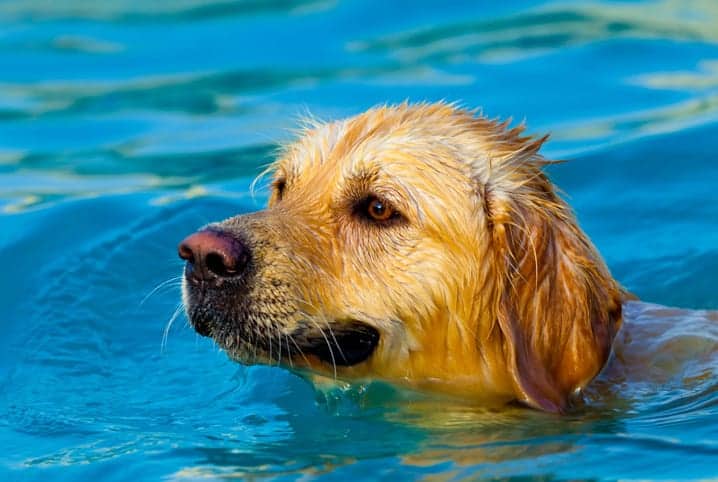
<point x="343" y="344"/>
<point x="348" y="343"/>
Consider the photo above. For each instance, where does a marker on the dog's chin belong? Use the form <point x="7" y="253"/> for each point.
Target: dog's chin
<point x="202" y="319"/>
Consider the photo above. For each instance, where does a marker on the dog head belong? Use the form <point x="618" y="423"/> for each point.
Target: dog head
<point x="418" y="244"/>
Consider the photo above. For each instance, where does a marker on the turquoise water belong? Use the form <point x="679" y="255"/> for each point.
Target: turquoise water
<point x="126" y="125"/>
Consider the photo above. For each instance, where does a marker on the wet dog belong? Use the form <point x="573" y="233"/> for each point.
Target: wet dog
<point x="416" y="244"/>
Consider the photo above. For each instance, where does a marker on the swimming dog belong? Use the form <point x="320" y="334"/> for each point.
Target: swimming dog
<point x="418" y="244"/>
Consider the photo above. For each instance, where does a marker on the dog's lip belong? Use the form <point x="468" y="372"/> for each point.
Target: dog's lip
<point x="348" y="343"/>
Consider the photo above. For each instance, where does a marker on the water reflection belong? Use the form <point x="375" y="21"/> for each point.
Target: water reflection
<point x="579" y="136"/>
<point x="549" y="28"/>
<point x="159" y="10"/>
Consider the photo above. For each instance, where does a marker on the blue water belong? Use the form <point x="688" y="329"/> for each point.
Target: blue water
<point x="125" y="125"/>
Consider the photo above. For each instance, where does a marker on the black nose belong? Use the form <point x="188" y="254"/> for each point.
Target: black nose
<point x="213" y="255"/>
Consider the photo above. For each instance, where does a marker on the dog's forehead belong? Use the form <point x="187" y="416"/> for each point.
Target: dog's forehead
<point x="408" y="137"/>
<point x="357" y="148"/>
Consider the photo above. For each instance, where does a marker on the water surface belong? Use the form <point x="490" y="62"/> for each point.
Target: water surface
<point x="126" y="125"/>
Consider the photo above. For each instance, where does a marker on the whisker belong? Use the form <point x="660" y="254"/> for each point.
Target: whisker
<point x="291" y="338"/>
<point x="160" y="286"/>
<point x="331" y="332"/>
<point x="166" y="331"/>
<point x="289" y="351"/>
<point x="331" y="352"/>
<point x="268" y="168"/>
<point x="279" y="337"/>
<point x="312" y="320"/>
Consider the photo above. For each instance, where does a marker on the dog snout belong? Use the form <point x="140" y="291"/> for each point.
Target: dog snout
<point x="213" y="256"/>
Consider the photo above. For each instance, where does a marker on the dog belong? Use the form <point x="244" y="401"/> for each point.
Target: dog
<point x="419" y="244"/>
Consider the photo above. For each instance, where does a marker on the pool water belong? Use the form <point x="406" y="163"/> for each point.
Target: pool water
<point x="125" y="125"/>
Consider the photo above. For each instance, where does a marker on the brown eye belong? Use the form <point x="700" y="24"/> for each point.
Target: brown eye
<point x="377" y="210"/>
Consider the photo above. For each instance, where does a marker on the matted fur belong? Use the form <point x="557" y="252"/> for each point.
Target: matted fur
<point x="486" y="289"/>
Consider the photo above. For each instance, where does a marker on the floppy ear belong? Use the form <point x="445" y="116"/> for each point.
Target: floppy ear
<point x="558" y="308"/>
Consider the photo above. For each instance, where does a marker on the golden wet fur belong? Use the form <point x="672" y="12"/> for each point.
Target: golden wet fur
<point x="483" y="286"/>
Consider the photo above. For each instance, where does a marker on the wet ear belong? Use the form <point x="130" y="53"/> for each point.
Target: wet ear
<point x="558" y="308"/>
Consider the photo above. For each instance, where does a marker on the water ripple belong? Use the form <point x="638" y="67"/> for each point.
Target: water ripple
<point x="549" y="28"/>
<point x="126" y="125"/>
<point x="128" y="11"/>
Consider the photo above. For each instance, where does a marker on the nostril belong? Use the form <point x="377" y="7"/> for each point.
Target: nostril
<point x="215" y="262"/>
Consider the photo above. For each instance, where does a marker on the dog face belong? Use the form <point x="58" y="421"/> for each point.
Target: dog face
<point x="415" y="244"/>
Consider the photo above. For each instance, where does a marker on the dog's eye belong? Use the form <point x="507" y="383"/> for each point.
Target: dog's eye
<point x="377" y="210"/>
<point x="279" y="186"/>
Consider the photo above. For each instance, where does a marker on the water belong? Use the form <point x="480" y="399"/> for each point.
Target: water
<point x="126" y="125"/>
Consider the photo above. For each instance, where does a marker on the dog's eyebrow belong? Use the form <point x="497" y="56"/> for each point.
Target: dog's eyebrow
<point x="359" y="183"/>
<point x="364" y="176"/>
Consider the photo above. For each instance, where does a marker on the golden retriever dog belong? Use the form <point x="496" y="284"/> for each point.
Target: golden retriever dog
<point x="416" y="244"/>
